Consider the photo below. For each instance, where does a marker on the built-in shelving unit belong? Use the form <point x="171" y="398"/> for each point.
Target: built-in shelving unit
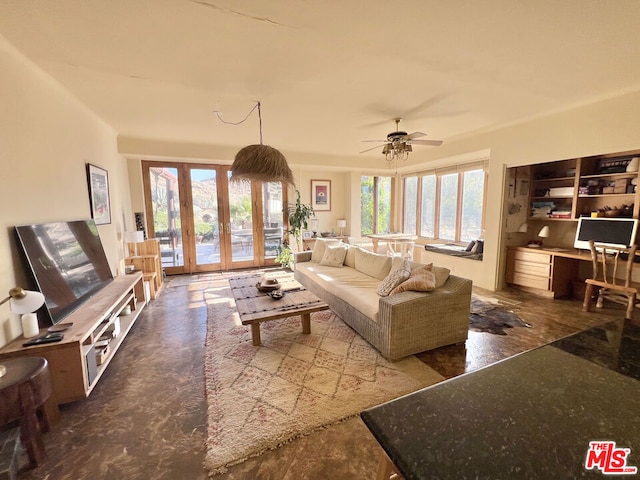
<point x="568" y="189"/>
<point x="100" y="325"/>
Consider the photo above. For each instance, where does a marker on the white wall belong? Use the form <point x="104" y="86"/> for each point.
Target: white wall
<point x="46" y="138"/>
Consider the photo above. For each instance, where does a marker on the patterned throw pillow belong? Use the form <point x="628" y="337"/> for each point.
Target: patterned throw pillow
<point x="334" y="255"/>
<point x="422" y="279"/>
<point x="319" y="248"/>
<point x="399" y="274"/>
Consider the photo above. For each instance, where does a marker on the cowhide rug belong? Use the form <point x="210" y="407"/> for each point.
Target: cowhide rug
<point x="492" y="318"/>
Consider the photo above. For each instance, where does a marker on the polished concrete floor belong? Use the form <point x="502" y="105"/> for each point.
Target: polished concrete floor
<point x="146" y="418"/>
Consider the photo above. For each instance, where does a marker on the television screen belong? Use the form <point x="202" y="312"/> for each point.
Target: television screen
<point x="612" y="232"/>
<point x="67" y="261"/>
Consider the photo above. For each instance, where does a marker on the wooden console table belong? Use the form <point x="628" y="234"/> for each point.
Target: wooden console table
<point x="75" y="363"/>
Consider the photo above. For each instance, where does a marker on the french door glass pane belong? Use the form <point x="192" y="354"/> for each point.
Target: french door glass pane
<point x="428" y="207"/>
<point x="204" y="195"/>
<point x="273" y="218"/>
<point x="241" y="224"/>
<point x="448" y="206"/>
<point x="166" y="214"/>
<point x="410" y="204"/>
<point x="472" y="195"/>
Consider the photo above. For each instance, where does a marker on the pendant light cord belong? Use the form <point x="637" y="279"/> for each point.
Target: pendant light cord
<point x="257" y="105"/>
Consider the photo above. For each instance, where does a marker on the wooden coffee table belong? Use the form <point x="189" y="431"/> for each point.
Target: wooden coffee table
<point x="255" y="307"/>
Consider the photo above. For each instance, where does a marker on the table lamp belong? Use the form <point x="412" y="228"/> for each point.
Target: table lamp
<point x="544" y="233"/>
<point x="134" y="237"/>
<point x="25" y="302"/>
<point x="341" y="225"/>
<point x="313" y="225"/>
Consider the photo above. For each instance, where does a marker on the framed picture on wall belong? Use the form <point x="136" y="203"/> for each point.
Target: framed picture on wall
<point x="98" y="180"/>
<point x="306" y="234"/>
<point x="321" y="195"/>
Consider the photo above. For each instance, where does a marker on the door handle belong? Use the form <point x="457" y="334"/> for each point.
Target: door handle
<point x="228" y="228"/>
<point x="221" y="228"/>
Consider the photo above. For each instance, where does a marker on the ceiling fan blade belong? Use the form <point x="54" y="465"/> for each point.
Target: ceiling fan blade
<point x="372" y="148"/>
<point x="433" y="143"/>
<point x="413" y="135"/>
<point x="377" y="141"/>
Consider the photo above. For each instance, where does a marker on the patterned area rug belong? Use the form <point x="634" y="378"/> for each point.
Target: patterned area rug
<point x="261" y="397"/>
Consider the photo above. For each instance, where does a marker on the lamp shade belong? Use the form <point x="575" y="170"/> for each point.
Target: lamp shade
<point x="262" y="163"/>
<point x="134" y="236"/>
<point x="25" y="301"/>
<point x="342" y="223"/>
<point x="523" y="228"/>
<point x="544" y="232"/>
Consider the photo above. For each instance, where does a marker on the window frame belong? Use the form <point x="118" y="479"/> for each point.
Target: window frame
<point x="460" y="170"/>
<point x="376" y="202"/>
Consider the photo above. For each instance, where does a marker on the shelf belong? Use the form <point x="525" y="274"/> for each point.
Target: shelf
<point x="555" y="179"/>
<point x="609" y="175"/>
<point x="553" y="219"/>
<point x="600" y="195"/>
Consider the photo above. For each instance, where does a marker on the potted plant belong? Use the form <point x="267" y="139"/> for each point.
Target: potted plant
<point x="299" y="215"/>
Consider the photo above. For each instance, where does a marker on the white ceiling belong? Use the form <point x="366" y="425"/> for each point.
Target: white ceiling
<point x="328" y="73"/>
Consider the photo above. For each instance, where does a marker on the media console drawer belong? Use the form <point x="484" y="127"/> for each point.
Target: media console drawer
<point x="532" y="281"/>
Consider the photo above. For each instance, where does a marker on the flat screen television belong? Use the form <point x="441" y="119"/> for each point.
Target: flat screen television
<point x="612" y="232"/>
<point x="67" y="262"/>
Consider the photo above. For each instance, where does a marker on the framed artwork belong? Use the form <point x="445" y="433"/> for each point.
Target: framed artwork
<point x="98" y="179"/>
<point x="321" y="195"/>
<point x="306" y="234"/>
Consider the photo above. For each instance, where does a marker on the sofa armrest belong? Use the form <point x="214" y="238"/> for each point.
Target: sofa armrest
<point x="300" y="257"/>
<point x="415" y="319"/>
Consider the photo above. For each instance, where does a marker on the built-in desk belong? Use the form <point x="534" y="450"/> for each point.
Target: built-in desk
<point x="548" y="271"/>
<point x="531" y="416"/>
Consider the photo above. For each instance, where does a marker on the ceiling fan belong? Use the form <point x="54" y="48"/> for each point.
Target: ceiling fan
<point x="398" y="143"/>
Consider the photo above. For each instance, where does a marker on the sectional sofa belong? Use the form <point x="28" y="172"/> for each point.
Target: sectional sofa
<point x="399" y="324"/>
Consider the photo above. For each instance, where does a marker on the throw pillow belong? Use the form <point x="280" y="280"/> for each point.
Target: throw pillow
<point x="421" y="279"/>
<point x="334" y="255"/>
<point x="399" y="274"/>
<point x="320" y="246"/>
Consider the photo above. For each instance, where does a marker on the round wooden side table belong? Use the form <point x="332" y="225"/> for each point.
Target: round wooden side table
<point x="24" y="389"/>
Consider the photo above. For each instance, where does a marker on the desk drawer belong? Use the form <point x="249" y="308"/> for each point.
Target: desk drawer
<point x="539" y="269"/>
<point x="533" y="257"/>
<point x="532" y="281"/>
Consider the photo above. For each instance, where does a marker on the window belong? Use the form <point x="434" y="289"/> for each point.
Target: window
<point x="445" y="205"/>
<point x="375" y="195"/>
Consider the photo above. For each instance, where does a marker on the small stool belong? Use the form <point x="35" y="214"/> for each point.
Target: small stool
<point x="24" y="393"/>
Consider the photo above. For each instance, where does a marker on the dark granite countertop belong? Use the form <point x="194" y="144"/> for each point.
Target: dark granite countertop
<point x="531" y="416"/>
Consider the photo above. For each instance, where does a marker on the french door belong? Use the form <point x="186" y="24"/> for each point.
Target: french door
<point x="206" y="223"/>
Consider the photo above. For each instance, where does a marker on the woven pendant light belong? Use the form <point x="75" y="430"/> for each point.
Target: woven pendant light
<point x="261" y="162"/>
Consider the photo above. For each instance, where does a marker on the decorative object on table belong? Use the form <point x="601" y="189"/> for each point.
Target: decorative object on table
<point x="135" y="237"/>
<point x="633" y="164"/>
<point x="298" y="385"/>
<point x="276" y="294"/>
<point x="341" y="225"/>
<point x="259" y="162"/>
<point x="98" y="179"/>
<point x="268" y="285"/>
<point x="25" y="302"/>
<point x="321" y="195"/>
<point x="492" y="318"/>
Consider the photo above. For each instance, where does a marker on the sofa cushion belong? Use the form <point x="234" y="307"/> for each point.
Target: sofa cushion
<point x="397" y="275"/>
<point x="421" y="279"/>
<point x="373" y="264"/>
<point x="334" y="255"/>
<point x="350" y="257"/>
<point x="351" y="286"/>
<point x="320" y="246"/>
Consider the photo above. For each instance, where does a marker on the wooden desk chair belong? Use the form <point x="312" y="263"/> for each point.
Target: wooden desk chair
<point x="611" y="288"/>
